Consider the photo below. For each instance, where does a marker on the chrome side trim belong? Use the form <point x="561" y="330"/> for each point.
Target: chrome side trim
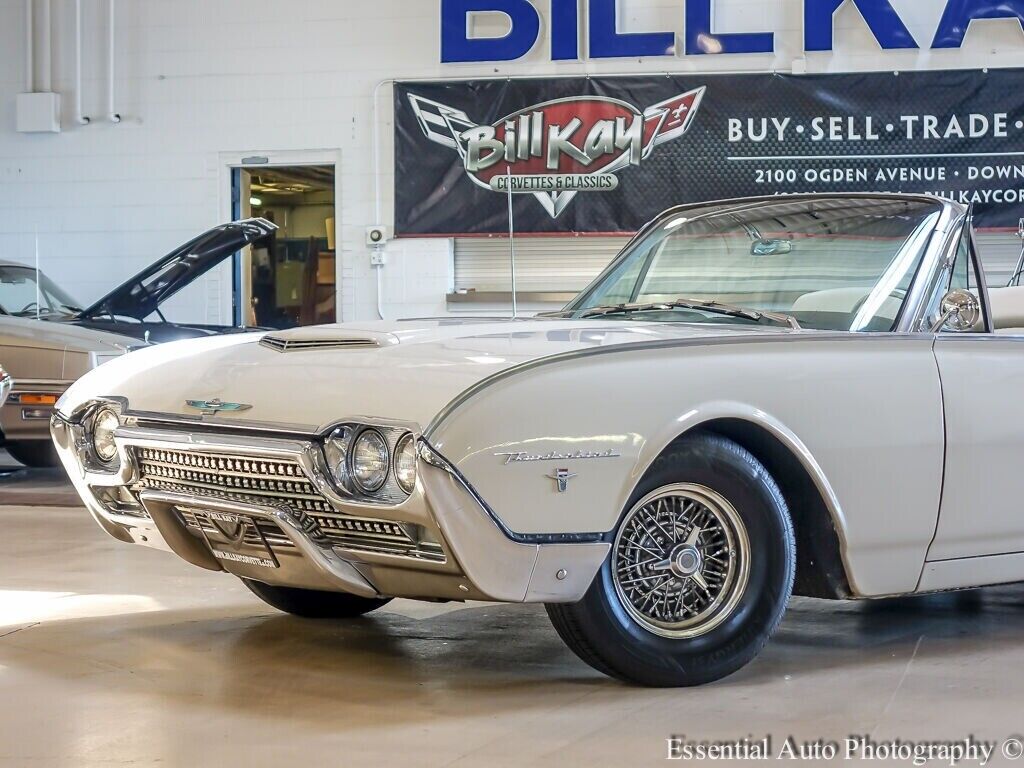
<point x="786" y="337"/>
<point x="431" y="456"/>
<point x="55" y="383"/>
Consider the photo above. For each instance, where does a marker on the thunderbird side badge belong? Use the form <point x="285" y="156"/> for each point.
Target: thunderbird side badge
<point x="562" y="478"/>
<point x="215" y="406"/>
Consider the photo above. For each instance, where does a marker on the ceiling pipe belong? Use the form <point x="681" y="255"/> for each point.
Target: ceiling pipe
<point x="112" y="115"/>
<point x="45" y="75"/>
<point x="79" y="117"/>
<point x="30" y="83"/>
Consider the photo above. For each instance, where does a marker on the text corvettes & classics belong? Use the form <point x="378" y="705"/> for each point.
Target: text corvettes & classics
<point x="809" y="394"/>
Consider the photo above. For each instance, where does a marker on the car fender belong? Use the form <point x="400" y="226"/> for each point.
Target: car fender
<point x="862" y="413"/>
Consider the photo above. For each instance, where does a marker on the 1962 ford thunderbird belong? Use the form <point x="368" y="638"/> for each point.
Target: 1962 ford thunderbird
<point x="811" y="394"/>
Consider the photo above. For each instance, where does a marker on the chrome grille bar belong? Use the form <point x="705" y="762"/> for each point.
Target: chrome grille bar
<point x="275" y="483"/>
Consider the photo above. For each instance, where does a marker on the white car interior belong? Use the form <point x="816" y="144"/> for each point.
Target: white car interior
<point x="1007" y="308"/>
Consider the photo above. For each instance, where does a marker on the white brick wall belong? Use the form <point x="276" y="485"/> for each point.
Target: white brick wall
<point x="201" y="79"/>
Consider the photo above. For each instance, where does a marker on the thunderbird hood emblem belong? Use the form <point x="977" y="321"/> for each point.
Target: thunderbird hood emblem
<point x="215" y="406"/>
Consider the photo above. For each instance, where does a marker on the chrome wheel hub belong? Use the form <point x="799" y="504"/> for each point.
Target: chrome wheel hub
<point x="686" y="561"/>
<point x="681" y="561"/>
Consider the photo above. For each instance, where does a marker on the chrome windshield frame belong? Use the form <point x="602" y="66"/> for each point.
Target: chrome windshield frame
<point x="909" y="317"/>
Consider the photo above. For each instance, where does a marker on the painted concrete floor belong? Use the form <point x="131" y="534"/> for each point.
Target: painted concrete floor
<point x="112" y="654"/>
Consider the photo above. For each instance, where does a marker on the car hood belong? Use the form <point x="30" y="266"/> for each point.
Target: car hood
<point x="310" y="377"/>
<point x="140" y="296"/>
<point x="40" y="334"/>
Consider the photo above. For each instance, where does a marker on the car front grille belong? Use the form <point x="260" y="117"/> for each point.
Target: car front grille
<point x="269" y="482"/>
<point x="276" y="483"/>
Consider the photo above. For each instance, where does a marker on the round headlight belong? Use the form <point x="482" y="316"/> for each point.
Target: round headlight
<point x="103" y="426"/>
<point x="370" y="461"/>
<point x="405" y="463"/>
<point x="336" y="453"/>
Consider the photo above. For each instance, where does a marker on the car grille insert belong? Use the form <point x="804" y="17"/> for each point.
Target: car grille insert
<point x="269" y="482"/>
<point x="277" y="483"/>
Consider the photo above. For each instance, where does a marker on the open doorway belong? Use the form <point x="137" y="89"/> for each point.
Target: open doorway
<point x="290" y="282"/>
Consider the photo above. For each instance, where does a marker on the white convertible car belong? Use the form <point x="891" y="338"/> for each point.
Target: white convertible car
<point x="811" y="394"/>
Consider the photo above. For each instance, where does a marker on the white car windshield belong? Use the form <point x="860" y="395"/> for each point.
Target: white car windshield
<point x="25" y="292"/>
<point x="827" y="263"/>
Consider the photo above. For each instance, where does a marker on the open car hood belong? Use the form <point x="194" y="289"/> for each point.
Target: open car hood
<point x="141" y="295"/>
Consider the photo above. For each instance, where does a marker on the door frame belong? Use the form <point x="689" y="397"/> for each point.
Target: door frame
<point x="229" y="163"/>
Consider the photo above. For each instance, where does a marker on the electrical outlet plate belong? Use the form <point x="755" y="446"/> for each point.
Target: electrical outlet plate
<point x="378" y="258"/>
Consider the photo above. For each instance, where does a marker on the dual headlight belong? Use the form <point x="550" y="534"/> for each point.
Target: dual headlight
<point x="102" y="425"/>
<point x="360" y="459"/>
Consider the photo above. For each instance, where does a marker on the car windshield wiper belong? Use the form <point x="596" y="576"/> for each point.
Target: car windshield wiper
<point x="714" y="307"/>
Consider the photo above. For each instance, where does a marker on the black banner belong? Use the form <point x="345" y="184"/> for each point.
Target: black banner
<point x="608" y="154"/>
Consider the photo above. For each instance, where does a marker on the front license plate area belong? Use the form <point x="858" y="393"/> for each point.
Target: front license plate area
<point x="235" y="538"/>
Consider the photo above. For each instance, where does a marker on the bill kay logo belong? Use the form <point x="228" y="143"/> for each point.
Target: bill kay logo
<point x="559" y="148"/>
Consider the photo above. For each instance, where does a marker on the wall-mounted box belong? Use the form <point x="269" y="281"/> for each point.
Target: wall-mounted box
<point x="38" y="113"/>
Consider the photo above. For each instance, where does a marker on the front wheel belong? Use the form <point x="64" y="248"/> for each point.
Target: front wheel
<point x="314" y="604"/>
<point x="699" y="576"/>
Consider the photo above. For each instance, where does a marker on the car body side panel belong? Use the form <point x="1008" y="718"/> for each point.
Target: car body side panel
<point x="863" y="413"/>
<point x="981" y="506"/>
<point x="35" y="370"/>
<point x="45" y="358"/>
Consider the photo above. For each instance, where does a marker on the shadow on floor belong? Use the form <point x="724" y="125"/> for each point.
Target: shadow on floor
<point x="487" y="659"/>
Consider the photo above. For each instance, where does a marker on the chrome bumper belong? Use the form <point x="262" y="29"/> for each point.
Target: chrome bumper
<point x="480" y="561"/>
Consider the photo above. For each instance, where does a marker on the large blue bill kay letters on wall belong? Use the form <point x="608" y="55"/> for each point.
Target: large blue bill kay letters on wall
<point x="604" y="40"/>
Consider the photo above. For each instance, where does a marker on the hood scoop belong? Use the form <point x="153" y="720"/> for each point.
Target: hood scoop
<point x="310" y="339"/>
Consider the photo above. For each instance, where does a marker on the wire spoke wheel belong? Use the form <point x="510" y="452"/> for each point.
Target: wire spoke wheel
<point x="681" y="561"/>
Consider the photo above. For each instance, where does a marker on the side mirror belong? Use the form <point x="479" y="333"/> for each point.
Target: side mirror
<point x="960" y="312"/>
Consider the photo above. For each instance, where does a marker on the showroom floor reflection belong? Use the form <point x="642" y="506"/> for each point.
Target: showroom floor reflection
<point x="110" y="653"/>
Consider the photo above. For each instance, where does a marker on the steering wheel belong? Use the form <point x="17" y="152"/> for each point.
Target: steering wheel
<point x="29" y="306"/>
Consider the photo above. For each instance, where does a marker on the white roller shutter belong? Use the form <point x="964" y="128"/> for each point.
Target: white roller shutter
<point x="542" y="263"/>
<point x="568" y="264"/>
<point x="999" y="252"/>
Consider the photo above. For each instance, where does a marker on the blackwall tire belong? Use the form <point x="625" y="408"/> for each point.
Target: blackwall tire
<point x="710" y="485"/>
<point x="33" y="453"/>
<point x="313" y="604"/>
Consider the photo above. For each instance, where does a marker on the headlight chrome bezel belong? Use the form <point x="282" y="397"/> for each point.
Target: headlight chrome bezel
<point x="406" y="441"/>
<point x="102" y="414"/>
<point x="337" y="450"/>
<point x="83" y="424"/>
<point x="370" y="433"/>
